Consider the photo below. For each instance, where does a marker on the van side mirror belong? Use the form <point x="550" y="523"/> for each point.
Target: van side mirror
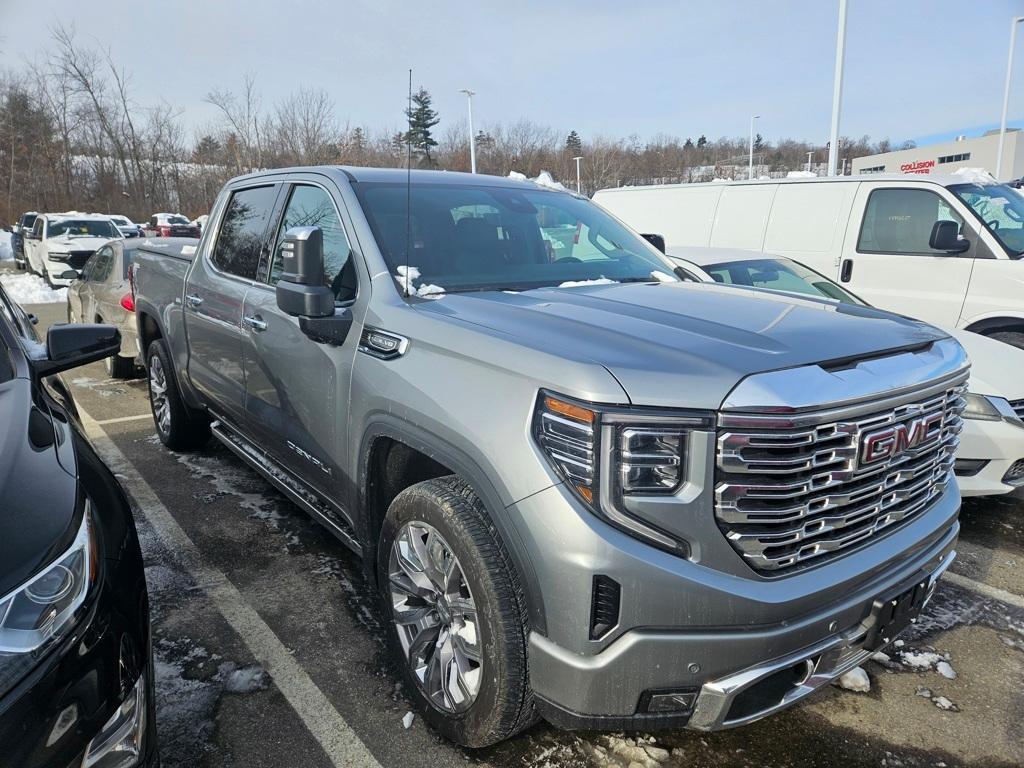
<point x="946" y="237"/>
<point x="70" y="346"/>
<point x="658" y="241"/>
<point x="301" y="291"/>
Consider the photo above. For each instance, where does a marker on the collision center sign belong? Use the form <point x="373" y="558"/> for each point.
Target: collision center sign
<point x="918" y="166"/>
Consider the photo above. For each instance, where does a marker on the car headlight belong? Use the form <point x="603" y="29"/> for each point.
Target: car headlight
<point x="58" y="255"/>
<point x="40" y="611"/>
<point x="610" y="456"/>
<point x="981" y="408"/>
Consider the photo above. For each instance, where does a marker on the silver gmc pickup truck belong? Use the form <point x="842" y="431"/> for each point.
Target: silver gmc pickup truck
<point x="586" y="490"/>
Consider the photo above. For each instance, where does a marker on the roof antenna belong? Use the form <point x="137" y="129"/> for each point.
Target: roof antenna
<point x="408" y="187"/>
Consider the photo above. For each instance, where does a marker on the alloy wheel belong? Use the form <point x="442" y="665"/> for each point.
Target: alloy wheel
<point x="158" y="394"/>
<point x="436" y="617"/>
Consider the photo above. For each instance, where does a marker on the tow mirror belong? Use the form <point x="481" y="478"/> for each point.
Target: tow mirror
<point x="70" y="346"/>
<point x="301" y="291"/>
<point x="658" y="241"/>
<point x="946" y="237"/>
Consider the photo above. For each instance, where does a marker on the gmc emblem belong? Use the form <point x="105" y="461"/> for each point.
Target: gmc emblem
<point x="892" y="441"/>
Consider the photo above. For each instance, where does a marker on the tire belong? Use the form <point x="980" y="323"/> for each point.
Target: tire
<point x="444" y="514"/>
<point x="1013" y="338"/>
<point x="120" y="367"/>
<point x="178" y="427"/>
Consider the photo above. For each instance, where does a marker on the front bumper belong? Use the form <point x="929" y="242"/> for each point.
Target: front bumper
<point x="686" y="627"/>
<point x="999" y="444"/>
<point x="50" y="716"/>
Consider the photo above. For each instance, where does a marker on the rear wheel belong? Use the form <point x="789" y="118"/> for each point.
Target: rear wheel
<point x="457" y="613"/>
<point x="1013" y="338"/>
<point x="178" y="427"/>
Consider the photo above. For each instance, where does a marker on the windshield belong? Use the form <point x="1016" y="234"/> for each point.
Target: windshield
<point x="120" y="221"/>
<point x="779" y="275"/>
<point x="82" y="228"/>
<point x="1000" y="208"/>
<point x="177" y="220"/>
<point x="473" y="237"/>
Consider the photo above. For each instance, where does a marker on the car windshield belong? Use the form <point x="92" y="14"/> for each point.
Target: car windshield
<point x="120" y="221"/>
<point x="82" y="228"/>
<point x="177" y="220"/>
<point x="1000" y="208"/>
<point x="779" y="275"/>
<point x="474" y="237"/>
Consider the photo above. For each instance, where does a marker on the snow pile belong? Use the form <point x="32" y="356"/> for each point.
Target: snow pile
<point x="578" y="283"/>
<point x="718" y="180"/>
<point x="517" y="176"/>
<point x="663" y="277"/>
<point x="543" y="179"/>
<point x="946" y="670"/>
<point x="945" y="704"/>
<point x="25" y="288"/>
<point x="801" y="175"/>
<point x="975" y="176"/>
<point x="407" y="720"/>
<point x="856" y="680"/>
<point x="406" y="279"/>
<point x="6" y="250"/>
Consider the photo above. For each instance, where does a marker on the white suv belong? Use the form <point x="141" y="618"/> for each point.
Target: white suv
<point x="60" y="242"/>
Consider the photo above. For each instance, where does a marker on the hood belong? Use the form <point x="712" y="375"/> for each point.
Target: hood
<point x="79" y="243"/>
<point x="995" y="366"/>
<point x="684" y="344"/>
<point x="37" y="496"/>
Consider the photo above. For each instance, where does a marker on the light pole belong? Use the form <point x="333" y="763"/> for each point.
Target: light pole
<point x="809" y="156"/>
<point x="577" y="159"/>
<point x="837" y="90"/>
<point x="1006" y="94"/>
<point x="750" y="165"/>
<point x="472" y="138"/>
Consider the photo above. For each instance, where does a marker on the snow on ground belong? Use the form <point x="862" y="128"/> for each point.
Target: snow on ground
<point x="407" y="720"/>
<point x="856" y="680"/>
<point x="6" y="252"/>
<point x="25" y="288"/>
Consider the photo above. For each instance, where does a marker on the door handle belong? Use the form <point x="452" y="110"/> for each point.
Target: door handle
<point x="846" y="271"/>
<point x="255" y="323"/>
<point x="193" y="300"/>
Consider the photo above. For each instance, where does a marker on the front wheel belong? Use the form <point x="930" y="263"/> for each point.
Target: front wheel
<point x="178" y="427"/>
<point x="1013" y="338"/>
<point x="458" y="626"/>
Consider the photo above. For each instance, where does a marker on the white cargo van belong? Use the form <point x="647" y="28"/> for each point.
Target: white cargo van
<point x="944" y="249"/>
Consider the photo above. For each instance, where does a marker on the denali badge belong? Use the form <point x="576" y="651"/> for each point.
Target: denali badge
<point x="892" y="441"/>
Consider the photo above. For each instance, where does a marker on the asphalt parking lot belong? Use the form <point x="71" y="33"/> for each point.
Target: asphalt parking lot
<point x="269" y="650"/>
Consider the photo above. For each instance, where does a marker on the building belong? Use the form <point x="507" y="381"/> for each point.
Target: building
<point x="965" y="152"/>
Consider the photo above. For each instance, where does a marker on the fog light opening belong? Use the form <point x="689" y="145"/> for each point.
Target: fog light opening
<point x="675" y="701"/>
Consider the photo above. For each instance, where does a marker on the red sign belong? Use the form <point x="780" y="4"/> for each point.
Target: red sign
<point x="918" y="166"/>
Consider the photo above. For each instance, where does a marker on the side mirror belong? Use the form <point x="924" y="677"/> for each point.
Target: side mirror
<point x="658" y="241"/>
<point x="946" y="237"/>
<point x="301" y="291"/>
<point x="69" y="346"/>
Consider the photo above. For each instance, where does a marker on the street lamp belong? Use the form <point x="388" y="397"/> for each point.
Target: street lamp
<point x="750" y="165"/>
<point x="1006" y="94"/>
<point x="837" y="90"/>
<point x="577" y="159"/>
<point x="809" y="156"/>
<point x="472" y="138"/>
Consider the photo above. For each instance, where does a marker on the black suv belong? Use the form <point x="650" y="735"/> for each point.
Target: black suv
<point x="76" y="680"/>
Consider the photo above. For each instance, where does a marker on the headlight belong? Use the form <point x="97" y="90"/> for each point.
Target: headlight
<point x="610" y="456"/>
<point x="58" y="255"/>
<point x="38" y="612"/>
<point x="981" y="408"/>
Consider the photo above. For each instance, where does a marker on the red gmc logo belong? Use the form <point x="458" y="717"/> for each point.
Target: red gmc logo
<point x="892" y="441"/>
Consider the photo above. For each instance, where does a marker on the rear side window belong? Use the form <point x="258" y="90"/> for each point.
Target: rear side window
<point x="311" y="206"/>
<point x="243" y="230"/>
<point x="900" y="221"/>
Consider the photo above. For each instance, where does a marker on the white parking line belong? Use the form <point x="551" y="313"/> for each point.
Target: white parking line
<point x="327" y="726"/>
<point x="985" y="590"/>
<point x="122" y="419"/>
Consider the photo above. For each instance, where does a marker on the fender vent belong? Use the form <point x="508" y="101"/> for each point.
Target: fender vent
<point x="604" y="606"/>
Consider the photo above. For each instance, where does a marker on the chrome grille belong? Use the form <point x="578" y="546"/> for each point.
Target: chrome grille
<point x="1018" y="407"/>
<point x="794" y="490"/>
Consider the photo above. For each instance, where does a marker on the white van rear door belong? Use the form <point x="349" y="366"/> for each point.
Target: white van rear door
<point x="887" y="260"/>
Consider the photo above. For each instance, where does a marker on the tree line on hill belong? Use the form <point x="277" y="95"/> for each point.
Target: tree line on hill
<point x="73" y="135"/>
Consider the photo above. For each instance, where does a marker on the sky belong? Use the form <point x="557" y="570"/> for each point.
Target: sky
<point x="915" y="69"/>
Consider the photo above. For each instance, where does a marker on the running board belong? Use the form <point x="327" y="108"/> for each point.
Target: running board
<point x="296" y="491"/>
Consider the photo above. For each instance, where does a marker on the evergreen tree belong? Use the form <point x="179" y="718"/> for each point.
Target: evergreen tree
<point x="688" y="144"/>
<point x="422" y="118"/>
<point x="702" y="141"/>
<point x="483" y="140"/>
<point x="758" y="143"/>
<point x="573" y="143"/>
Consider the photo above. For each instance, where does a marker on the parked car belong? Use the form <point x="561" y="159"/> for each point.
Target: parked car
<point x="200" y="221"/>
<point x="541" y="459"/>
<point x="102" y="294"/>
<point x="990" y="459"/>
<point x="62" y="242"/>
<point x="18" y="233"/>
<point x="945" y="249"/>
<point x="76" y="674"/>
<point x="171" y="225"/>
<point x="126" y="226"/>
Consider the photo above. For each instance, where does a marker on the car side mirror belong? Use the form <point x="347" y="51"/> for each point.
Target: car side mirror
<point x="946" y="237"/>
<point x="658" y="241"/>
<point x="70" y="346"/>
<point x="301" y="291"/>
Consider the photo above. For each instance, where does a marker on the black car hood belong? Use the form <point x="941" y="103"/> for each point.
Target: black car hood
<point x="38" y="496"/>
